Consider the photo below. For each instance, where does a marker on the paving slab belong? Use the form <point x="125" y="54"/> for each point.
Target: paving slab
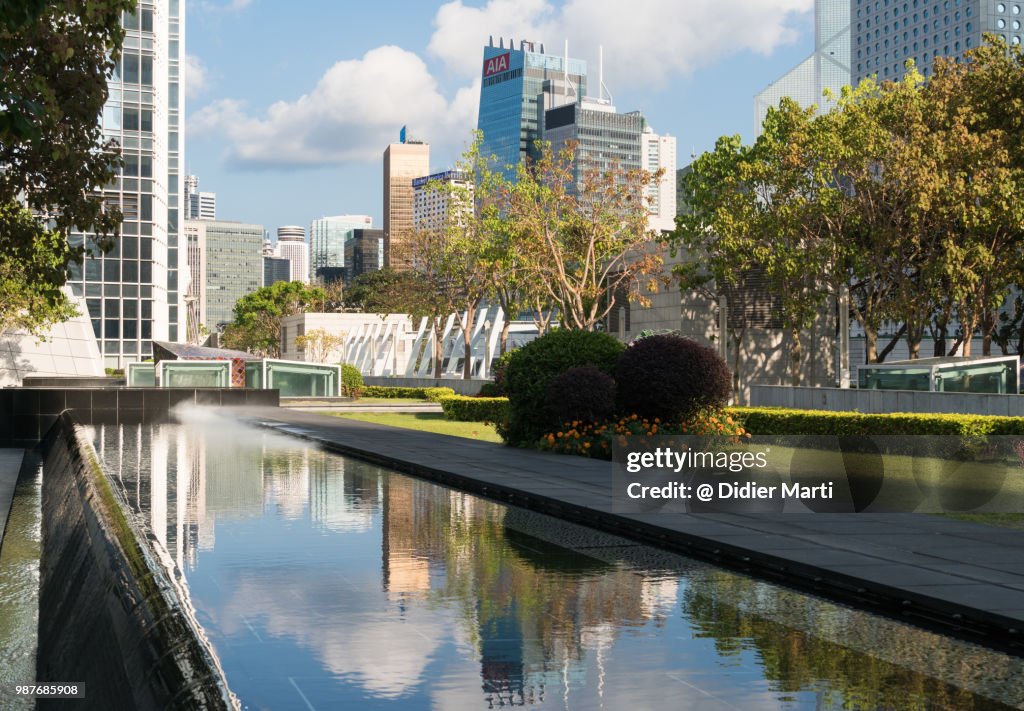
<point x="953" y="573"/>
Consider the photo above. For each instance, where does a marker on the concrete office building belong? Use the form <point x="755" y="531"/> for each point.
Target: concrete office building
<point x="199" y="205"/>
<point x="226" y="262"/>
<point x="363" y="253"/>
<point x="327" y="237"/>
<point x="135" y="292"/>
<point x="886" y="34"/>
<point x="403" y="162"/>
<point x="433" y="198"/>
<point x="828" y="67"/>
<point x="518" y="85"/>
<point x="291" y="245"/>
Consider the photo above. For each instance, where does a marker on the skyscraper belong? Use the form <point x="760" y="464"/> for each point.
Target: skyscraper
<point x="884" y="37"/>
<point x="603" y="137"/>
<point x="226" y="261"/>
<point x="135" y="292"/>
<point x="291" y="245"/>
<point x="199" y="205"/>
<point x="513" y="79"/>
<point x="363" y="253"/>
<point x="431" y="205"/>
<point x="827" y="68"/>
<point x="327" y="237"/>
<point x="659" y="153"/>
<point x="402" y="163"/>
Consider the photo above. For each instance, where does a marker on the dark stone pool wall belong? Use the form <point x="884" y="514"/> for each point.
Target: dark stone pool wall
<point x="109" y="616"/>
<point x="26" y="414"/>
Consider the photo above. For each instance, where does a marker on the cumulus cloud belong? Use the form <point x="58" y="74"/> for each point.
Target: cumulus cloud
<point x="645" y="42"/>
<point x="196" y="76"/>
<point x="354" y="110"/>
<point x="358" y="105"/>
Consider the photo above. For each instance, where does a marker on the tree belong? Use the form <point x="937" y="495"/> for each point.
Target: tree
<point x="319" y="343"/>
<point x="389" y="291"/>
<point x="30" y="294"/>
<point x="584" y="239"/>
<point x="457" y="254"/>
<point x="56" y="57"/>
<point x="257" y="324"/>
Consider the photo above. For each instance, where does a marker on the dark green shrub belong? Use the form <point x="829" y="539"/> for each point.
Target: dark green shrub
<point x="500" y="369"/>
<point x="489" y="390"/>
<point x="583" y="394"/>
<point x="531" y="369"/>
<point x="474" y="409"/>
<point x="671" y="377"/>
<point x="351" y="381"/>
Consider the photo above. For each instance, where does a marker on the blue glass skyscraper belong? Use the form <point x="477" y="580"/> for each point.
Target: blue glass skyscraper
<point x="513" y="81"/>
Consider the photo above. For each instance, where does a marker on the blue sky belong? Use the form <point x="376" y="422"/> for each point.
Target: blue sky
<point x="290" y="105"/>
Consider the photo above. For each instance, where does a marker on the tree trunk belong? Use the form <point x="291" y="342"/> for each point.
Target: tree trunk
<point x="941" y="331"/>
<point x="503" y="345"/>
<point x="870" y="344"/>
<point x="914" y="335"/>
<point x="795" y="356"/>
<point x="436" y="328"/>
<point x="988" y="325"/>
<point x="467" y="343"/>
<point x="884" y="353"/>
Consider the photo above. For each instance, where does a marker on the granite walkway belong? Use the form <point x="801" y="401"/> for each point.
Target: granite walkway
<point x="10" y="465"/>
<point x="965" y="578"/>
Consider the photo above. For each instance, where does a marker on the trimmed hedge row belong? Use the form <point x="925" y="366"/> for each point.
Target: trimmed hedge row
<point x="781" y="421"/>
<point x="475" y="409"/>
<point x="387" y="391"/>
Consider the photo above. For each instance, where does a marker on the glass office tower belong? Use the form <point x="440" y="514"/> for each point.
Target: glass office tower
<point x="327" y="238"/>
<point x="827" y="68"/>
<point x="135" y="292"/>
<point x="513" y="79"/>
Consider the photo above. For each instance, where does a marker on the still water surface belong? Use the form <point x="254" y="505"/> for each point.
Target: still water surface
<point x="327" y="583"/>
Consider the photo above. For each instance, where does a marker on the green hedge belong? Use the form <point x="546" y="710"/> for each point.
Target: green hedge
<point x="386" y="391"/>
<point x="351" y="381"/>
<point x="781" y="421"/>
<point x="475" y="409"/>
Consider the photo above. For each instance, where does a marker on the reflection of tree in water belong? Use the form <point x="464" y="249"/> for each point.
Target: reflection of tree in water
<point x="527" y="605"/>
<point x="818" y="649"/>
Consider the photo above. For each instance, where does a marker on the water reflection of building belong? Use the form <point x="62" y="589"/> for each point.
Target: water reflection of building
<point x="342" y="493"/>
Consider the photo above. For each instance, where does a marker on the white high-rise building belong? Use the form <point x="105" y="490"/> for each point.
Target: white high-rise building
<point x="659" y="153"/>
<point x="431" y="202"/>
<point x="291" y="245"/>
<point x="199" y="205"/>
<point x="135" y="292"/>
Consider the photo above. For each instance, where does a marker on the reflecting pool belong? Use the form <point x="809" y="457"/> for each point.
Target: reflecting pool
<point x="327" y="583"/>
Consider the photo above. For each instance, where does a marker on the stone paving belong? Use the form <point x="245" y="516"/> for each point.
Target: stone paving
<point x="965" y="577"/>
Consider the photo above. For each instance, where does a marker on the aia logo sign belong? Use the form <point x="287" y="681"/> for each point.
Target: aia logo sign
<point x="496" y="65"/>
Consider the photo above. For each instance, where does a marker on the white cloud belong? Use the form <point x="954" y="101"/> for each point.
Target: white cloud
<point x="355" y="110"/>
<point x="645" y="41"/>
<point x="196" y="76"/>
<point x="358" y="105"/>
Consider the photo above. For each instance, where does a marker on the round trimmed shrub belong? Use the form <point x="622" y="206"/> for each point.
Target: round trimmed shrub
<point x="586" y="393"/>
<point x="351" y="381"/>
<point x="500" y="367"/>
<point x="531" y="369"/>
<point x="671" y="377"/>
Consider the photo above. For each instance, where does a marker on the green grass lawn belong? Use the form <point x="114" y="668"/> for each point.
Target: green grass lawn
<point x="1004" y="520"/>
<point x="426" y="422"/>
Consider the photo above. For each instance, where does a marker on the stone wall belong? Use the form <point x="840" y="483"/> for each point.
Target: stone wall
<point x="26" y="414"/>
<point x="882" y="401"/>
<point x="109" y="615"/>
